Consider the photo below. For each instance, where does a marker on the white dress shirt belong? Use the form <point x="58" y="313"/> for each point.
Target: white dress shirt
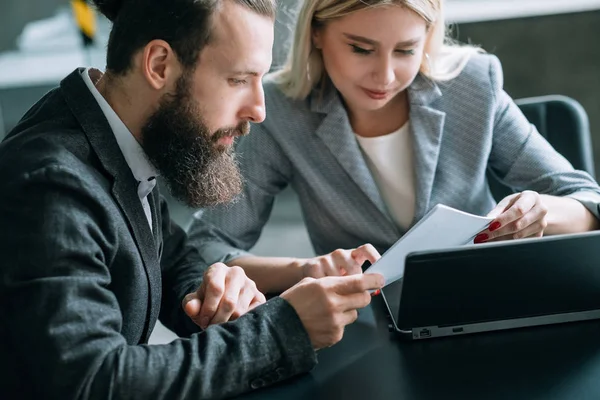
<point x="138" y="162"/>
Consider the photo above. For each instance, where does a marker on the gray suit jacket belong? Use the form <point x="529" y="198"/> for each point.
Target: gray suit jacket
<point x="83" y="279"/>
<point x="460" y="129"/>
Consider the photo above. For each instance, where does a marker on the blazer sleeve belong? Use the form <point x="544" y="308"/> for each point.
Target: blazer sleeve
<point x="182" y="271"/>
<point x="523" y="159"/>
<point x="226" y="232"/>
<point x="65" y="322"/>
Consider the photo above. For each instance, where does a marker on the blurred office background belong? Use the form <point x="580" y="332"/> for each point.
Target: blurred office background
<point x="546" y="47"/>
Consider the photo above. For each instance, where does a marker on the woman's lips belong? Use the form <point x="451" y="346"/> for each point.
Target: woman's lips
<point x="376" y="94"/>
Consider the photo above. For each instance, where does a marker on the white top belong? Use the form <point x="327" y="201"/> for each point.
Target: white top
<point x="390" y="160"/>
<point x="140" y="166"/>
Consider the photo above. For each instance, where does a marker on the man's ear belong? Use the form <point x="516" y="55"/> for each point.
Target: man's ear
<point x="159" y="65"/>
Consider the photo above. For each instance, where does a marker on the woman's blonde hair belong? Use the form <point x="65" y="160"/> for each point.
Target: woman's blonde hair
<point x="443" y="59"/>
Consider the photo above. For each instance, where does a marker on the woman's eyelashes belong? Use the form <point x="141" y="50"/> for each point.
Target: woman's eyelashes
<point x="362" y="51"/>
<point x="359" y="50"/>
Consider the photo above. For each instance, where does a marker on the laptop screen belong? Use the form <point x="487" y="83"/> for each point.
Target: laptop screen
<point x="498" y="282"/>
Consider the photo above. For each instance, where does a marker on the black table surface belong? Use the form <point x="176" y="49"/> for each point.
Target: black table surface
<point x="552" y="362"/>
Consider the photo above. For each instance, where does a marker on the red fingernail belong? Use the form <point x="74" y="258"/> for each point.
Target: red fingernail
<point x="376" y="293"/>
<point x="482" y="237"/>
<point x="494" y="225"/>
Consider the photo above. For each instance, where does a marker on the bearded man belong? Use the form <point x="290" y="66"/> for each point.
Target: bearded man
<point x="90" y="257"/>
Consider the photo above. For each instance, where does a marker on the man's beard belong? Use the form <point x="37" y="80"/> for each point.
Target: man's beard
<point x="197" y="170"/>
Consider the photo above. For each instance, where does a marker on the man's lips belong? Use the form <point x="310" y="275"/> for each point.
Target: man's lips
<point x="227" y="140"/>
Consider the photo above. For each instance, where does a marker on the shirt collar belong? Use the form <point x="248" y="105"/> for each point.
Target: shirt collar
<point x="138" y="162"/>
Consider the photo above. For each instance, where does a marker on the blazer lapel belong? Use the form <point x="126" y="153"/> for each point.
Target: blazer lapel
<point x="154" y="201"/>
<point x="427" y="125"/>
<point x="336" y="133"/>
<point x="88" y="113"/>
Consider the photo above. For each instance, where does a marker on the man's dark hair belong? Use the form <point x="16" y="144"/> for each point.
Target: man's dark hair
<point x="185" y="24"/>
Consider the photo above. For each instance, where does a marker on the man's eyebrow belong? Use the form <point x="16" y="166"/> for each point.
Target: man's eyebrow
<point x="244" y="73"/>
<point x="362" y="39"/>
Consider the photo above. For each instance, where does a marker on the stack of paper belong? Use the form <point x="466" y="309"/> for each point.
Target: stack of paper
<point x="442" y="227"/>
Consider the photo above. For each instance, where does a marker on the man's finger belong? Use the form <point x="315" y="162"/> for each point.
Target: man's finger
<point x="243" y="305"/>
<point x="255" y="303"/>
<point x="260" y="297"/>
<point x="214" y="287"/>
<point x="188" y="297"/>
<point x="192" y="305"/>
<point x="234" y="283"/>
<point x="355" y="301"/>
<point x="358" y="283"/>
<point x="349" y="317"/>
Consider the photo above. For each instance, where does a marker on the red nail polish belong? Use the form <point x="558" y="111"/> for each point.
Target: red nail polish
<point x="377" y="292"/>
<point x="494" y="225"/>
<point x="482" y="237"/>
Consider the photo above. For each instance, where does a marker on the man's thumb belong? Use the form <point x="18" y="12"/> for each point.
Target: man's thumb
<point x="191" y="305"/>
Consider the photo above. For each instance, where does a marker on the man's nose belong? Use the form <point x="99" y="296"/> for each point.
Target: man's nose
<point x="255" y="111"/>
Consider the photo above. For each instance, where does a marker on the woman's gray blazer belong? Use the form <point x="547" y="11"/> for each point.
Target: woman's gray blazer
<point x="461" y="128"/>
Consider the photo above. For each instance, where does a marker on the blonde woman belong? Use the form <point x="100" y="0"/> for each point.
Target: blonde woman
<point x="374" y="120"/>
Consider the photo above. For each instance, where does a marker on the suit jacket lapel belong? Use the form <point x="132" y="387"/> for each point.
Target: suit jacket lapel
<point x="336" y="133"/>
<point x="427" y="126"/>
<point x="154" y="201"/>
<point x="124" y="190"/>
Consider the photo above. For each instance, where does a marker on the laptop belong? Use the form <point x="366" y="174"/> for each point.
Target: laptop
<point x="497" y="286"/>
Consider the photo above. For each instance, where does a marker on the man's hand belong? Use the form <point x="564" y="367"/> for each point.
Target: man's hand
<point x="340" y="262"/>
<point x="225" y="294"/>
<point x="325" y="306"/>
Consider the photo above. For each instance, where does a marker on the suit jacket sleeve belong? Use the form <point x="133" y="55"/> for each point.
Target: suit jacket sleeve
<point x="182" y="271"/>
<point x="55" y="291"/>
<point x="227" y="232"/>
<point x="523" y="159"/>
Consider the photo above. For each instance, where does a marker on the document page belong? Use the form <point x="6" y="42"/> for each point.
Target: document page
<point x="442" y="227"/>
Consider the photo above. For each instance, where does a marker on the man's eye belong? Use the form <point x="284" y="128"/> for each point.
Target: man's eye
<point x="235" y="81"/>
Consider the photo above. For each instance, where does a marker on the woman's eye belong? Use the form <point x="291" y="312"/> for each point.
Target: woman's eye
<point x="409" y="52"/>
<point x="360" y="50"/>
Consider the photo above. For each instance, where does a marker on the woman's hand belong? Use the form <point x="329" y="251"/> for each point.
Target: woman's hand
<point x="520" y="215"/>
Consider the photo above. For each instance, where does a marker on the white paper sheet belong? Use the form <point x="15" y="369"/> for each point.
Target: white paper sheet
<point x="442" y="227"/>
